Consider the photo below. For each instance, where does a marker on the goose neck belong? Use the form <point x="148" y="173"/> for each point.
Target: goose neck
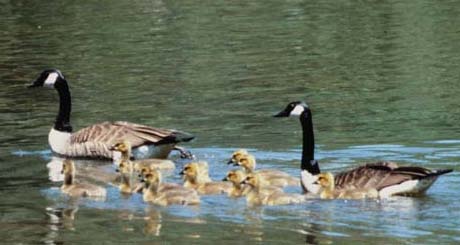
<point x="62" y="122"/>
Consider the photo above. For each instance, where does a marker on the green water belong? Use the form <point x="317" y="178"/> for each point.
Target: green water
<point x="381" y="77"/>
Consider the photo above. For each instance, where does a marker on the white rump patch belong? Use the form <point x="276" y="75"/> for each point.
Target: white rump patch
<point x="307" y="180"/>
<point x="408" y="187"/>
<point x="51" y="79"/>
<point x="297" y="111"/>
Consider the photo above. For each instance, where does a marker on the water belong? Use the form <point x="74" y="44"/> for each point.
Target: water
<point x="380" y="77"/>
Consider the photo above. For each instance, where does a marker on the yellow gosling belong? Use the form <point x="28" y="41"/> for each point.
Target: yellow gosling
<point x="236" y="177"/>
<point x="271" y="176"/>
<point x="328" y="190"/>
<point x="154" y="194"/>
<point x="237" y="155"/>
<point x="71" y="188"/>
<point x="196" y="177"/>
<point x="127" y="185"/>
<point x="258" y="195"/>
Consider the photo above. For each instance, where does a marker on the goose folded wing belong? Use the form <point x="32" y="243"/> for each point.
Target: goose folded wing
<point x="110" y="133"/>
<point x="378" y="176"/>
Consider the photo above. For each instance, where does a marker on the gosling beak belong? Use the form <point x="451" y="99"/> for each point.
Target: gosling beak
<point x="117" y="170"/>
<point x="142" y="180"/>
<point x="112" y="148"/>
<point x="316" y="183"/>
<point x="230" y="162"/>
<point x="225" y="179"/>
<point x="181" y="172"/>
<point x="243" y="182"/>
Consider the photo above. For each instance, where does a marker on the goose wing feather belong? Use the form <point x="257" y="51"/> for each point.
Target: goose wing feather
<point x="379" y="175"/>
<point x="111" y="132"/>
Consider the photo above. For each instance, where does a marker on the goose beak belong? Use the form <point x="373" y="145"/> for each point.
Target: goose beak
<point x="35" y="84"/>
<point x="283" y="113"/>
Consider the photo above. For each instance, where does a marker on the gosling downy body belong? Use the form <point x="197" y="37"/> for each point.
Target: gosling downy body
<point x="196" y="177"/>
<point x="328" y="190"/>
<point x="95" y="140"/>
<point x="71" y="188"/>
<point x="180" y="195"/>
<point x="386" y="177"/>
<point x="271" y="176"/>
<point x="258" y="196"/>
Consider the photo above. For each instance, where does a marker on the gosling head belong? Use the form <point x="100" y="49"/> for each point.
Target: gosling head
<point x="325" y="180"/>
<point x="143" y="171"/>
<point x="152" y="178"/>
<point x="68" y="167"/>
<point x="251" y="180"/>
<point x="49" y="78"/>
<point x="122" y="146"/>
<point x="248" y="162"/>
<point x="295" y="108"/>
<point x="235" y="176"/>
<point x="190" y="171"/>
<point x="236" y="156"/>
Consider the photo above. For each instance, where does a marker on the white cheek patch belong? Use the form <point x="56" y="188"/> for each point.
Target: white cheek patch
<point x="297" y="111"/>
<point x="51" y="79"/>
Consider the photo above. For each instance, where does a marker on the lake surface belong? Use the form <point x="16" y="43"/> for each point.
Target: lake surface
<point x="382" y="79"/>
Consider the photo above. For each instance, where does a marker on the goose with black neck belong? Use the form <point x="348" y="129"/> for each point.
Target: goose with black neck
<point x="95" y="141"/>
<point x="386" y="177"/>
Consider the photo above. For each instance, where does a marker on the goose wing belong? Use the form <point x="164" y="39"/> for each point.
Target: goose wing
<point x="110" y="133"/>
<point x="380" y="175"/>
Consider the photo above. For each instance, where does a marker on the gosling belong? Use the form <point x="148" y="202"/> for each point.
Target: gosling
<point x="180" y="195"/>
<point x="257" y="195"/>
<point x="73" y="189"/>
<point x="271" y="176"/>
<point x="328" y="190"/>
<point x="236" y="177"/>
<point x="196" y="177"/>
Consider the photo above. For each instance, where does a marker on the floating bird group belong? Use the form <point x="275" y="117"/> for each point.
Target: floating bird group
<point x="139" y="153"/>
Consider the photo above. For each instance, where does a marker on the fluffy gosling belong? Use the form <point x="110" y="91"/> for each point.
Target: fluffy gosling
<point x="71" y="188"/>
<point x="196" y="177"/>
<point x="328" y="190"/>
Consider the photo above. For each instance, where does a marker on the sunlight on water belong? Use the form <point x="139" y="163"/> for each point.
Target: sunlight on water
<point x="381" y="78"/>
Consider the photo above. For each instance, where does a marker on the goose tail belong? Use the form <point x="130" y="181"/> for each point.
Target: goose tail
<point x="440" y="172"/>
<point x="176" y="137"/>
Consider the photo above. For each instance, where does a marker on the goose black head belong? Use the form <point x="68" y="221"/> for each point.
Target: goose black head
<point x="48" y="78"/>
<point x="295" y="108"/>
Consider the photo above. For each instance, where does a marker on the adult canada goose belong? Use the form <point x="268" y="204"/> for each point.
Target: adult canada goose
<point x="71" y="188"/>
<point x="386" y="177"/>
<point x="95" y="140"/>
<point x="328" y="190"/>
